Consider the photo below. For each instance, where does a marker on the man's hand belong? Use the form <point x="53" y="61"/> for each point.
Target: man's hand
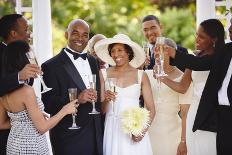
<point x="29" y="71"/>
<point x="87" y="95"/>
<point x="147" y="61"/>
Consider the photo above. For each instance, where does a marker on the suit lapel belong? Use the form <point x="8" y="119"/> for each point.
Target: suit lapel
<point x="229" y="91"/>
<point x="72" y="71"/>
<point x="92" y="64"/>
<point x="224" y="66"/>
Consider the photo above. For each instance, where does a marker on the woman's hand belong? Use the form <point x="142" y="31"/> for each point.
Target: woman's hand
<point x="182" y="148"/>
<point x="110" y="96"/>
<point x="71" y="108"/>
<point x="137" y="138"/>
<point x="170" y="51"/>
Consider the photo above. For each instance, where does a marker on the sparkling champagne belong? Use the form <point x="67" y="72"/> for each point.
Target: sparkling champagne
<point x="33" y="61"/>
<point x="72" y="96"/>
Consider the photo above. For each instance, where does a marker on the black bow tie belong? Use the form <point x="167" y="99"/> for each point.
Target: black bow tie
<point x="77" y="55"/>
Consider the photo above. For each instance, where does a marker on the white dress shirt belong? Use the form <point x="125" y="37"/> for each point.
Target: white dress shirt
<point x="222" y="93"/>
<point x="82" y="67"/>
<point x="151" y="49"/>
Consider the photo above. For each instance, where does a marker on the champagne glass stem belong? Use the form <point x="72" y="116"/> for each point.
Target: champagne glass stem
<point x="45" y="88"/>
<point x="93" y="103"/>
<point x="42" y="81"/>
<point x="112" y="102"/>
<point x="74" y="120"/>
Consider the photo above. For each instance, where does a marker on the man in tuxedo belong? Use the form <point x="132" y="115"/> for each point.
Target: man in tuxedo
<point x="71" y="69"/>
<point x="152" y="29"/>
<point x="215" y="107"/>
<point x="13" y="27"/>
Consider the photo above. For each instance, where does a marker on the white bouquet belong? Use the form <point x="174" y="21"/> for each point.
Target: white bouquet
<point x="135" y="121"/>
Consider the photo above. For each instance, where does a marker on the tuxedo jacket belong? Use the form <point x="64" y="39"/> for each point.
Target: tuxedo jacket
<point x="61" y="74"/>
<point x="207" y="113"/>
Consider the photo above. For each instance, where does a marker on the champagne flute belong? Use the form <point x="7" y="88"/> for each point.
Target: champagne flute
<point x="72" y="92"/>
<point x="32" y="59"/>
<point x="160" y="46"/>
<point x="112" y="87"/>
<point x="146" y="50"/>
<point x="92" y="83"/>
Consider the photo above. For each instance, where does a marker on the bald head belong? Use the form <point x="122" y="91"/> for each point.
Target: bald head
<point x="77" y="21"/>
<point x="77" y="34"/>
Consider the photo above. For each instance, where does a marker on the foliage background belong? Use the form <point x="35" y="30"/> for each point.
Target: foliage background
<point x="110" y="17"/>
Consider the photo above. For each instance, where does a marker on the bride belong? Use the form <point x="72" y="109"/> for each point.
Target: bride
<point x="124" y="56"/>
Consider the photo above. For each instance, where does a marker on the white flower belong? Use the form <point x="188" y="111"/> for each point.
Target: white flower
<point x="135" y="120"/>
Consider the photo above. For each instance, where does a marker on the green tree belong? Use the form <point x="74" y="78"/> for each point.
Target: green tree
<point x="180" y="25"/>
<point x="110" y="17"/>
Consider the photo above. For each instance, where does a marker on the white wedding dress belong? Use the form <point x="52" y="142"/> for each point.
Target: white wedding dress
<point x="115" y="141"/>
<point x="199" y="142"/>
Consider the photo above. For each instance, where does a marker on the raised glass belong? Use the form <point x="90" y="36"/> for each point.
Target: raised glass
<point x="146" y="50"/>
<point x="32" y="59"/>
<point x="159" y="57"/>
<point x="92" y="83"/>
<point x="72" y="92"/>
<point x="111" y="83"/>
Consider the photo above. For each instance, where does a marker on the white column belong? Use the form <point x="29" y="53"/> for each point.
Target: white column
<point x="42" y="34"/>
<point x="228" y="18"/>
<point x="205" y="10"/>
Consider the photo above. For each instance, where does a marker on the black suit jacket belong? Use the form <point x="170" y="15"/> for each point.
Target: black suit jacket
<point x="206" y="117"/>
<point x="61" y="74"/>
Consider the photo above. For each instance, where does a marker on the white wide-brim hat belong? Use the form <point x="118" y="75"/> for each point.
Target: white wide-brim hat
<point x="101" y="49"/>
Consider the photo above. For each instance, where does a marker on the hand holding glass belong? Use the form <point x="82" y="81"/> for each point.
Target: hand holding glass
<point x="159" y="58"/>
<point x="92" y="83"/>
<point x="146" y="50"/>
<point x="72" y="92"/>
<point x="32" y="59"/>
<point x="112" y="87"/>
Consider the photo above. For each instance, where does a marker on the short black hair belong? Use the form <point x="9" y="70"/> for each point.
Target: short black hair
<point x="14" y="57"/>
<point x="8" y="23"/>
<point x="129" y="50"/>
<point x="151" y="17"/>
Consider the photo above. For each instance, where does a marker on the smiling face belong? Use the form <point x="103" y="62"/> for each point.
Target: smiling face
<point x="77" y="35"/>
<point x="151" y="30"/>
<point x="119" y="54"/>
<point x="203" y="41"/>
<point x="22" y="31"/>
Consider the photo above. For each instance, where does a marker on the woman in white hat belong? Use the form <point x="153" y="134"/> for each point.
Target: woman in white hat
<point x="90" y="49"/>
<point x="124" y="56"/>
